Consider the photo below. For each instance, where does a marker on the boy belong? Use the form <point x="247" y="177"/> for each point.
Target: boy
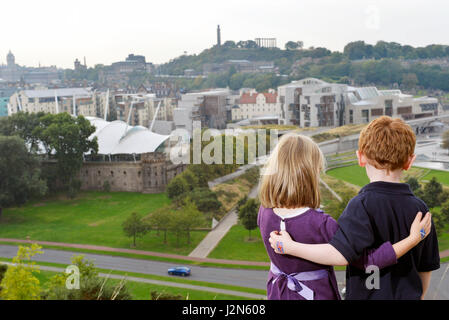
<point x="382" y="211"/>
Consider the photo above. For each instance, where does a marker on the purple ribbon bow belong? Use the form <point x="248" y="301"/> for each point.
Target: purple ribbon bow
<point x="294" y="280"/>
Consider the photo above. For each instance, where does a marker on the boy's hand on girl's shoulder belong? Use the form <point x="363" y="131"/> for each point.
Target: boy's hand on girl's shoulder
<point x="420" y="229"/>
<point x="280" y="241"/>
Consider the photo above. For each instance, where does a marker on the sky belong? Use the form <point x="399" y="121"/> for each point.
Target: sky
<point x="56" y="32"/>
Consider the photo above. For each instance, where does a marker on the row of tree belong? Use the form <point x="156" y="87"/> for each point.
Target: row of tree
<point x="26" y="139"/>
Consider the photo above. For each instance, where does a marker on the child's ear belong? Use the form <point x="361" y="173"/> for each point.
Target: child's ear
<point x="361" y="158"/>
<point x="410" y="161"/>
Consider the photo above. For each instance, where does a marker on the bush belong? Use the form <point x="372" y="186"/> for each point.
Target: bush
<point x="205" y="200"/>
<point x="92" y="287"/>
<point x="3" y="269"/>
<point x="154" y="295"/>
<point x="177" y="187"/>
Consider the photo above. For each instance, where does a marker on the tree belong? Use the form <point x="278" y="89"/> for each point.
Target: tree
<point x="160" y="219"/>
<point x="134" y="226"/>
<point x="191" y="217"/>
<point x="177" y="187"/>
<point x="432" y="191"/>
<point x="19" y="282"/>
<point x="20" y="173"/>
<point x="68" y="138"/>
<point x="409" y="80"/>
<point x="413" y="183"/>
<point x="291" y="45"/>
<point x="248" y="215"/>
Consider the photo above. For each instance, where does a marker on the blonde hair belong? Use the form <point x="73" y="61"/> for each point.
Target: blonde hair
<point x="292" y="174"/>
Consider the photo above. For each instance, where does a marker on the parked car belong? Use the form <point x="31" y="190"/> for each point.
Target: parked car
<point x="179" y="271"/>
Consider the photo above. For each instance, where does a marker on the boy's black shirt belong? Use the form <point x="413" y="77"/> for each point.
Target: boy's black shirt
<point x="384" y="211"/>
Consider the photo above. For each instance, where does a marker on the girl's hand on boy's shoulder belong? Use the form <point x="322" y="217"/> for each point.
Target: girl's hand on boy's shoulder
<point x="280" y="241"/>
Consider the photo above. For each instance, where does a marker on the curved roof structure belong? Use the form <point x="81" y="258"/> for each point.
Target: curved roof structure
<point x="117" y="137"/>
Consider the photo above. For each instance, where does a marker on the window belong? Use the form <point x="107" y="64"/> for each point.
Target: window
<point x="351" y="116"/>
<point x="377" y="112"/>
<point x="365" y="116"/>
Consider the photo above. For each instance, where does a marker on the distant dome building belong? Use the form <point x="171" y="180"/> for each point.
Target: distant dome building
<point x="10" y="59"/>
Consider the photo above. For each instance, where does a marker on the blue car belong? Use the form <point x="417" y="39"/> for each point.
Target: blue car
<point x="179" y="271"/>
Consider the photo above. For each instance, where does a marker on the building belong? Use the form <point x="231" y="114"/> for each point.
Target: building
<point x="312" y="103"/>
<point x="77" y="101"/>
<point x="253" y="105"/>
<point x="366" y="104"/>
<point x="118" y="72"/>
<point x="208" y="107"/>
<point x="144" y="108"/>
<point x="129" y="159"/>
<point x="315" y="103"/>
<point x="5" y="94"/>
<point x="12" y="72"/>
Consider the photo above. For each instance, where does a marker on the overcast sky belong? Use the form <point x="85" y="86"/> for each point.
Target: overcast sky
<point x="55" y="32"/>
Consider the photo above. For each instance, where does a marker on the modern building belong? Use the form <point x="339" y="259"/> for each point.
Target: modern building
<point x="208" y="107"/>
<point x="315" y="103"/>
<point x="5" y="94"/>
<point x="76" y="101"/>
<point x="253" y="105"/>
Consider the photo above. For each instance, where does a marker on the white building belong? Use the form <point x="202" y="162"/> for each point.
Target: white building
<point x="253" y="105"/>
<point x="315" y="103"/>
<point x="54" y="101"/>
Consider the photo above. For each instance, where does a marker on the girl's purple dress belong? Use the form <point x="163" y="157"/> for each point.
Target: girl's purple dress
<point x="312" y="226"/>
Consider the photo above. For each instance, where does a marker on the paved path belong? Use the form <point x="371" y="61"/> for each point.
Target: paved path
<point x="213" y="238"/>
<point x="165" y="283"/>
<point x="237" y="277"/>
<point x="134" y="251"/>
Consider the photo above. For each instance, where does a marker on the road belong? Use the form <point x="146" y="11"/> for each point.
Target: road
<point x="439" y="286"/>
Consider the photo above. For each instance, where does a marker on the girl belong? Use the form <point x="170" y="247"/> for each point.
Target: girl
<point x="290" y="201"/>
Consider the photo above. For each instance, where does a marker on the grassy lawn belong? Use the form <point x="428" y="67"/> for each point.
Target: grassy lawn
<point x="91" y="218"/>
<point x="141" y="291"/>
<point x="357" y="175"/>
<point x="442" y="176"/>
<point x="236" y="246"/>
<point x="352" y="174"/>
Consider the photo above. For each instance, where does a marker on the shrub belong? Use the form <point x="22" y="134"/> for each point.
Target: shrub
<point x="177" y="187"/>
<point x="154" y="295"/>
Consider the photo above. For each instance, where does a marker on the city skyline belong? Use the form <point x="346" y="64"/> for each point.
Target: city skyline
<point x="54" y="33"/>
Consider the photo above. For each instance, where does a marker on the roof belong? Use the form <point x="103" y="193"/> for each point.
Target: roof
<point x="251" y="98"/>
<point x="62" y="92"/>
<point x="117" y="137"/>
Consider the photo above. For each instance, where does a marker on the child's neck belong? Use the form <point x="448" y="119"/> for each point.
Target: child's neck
<point x="381" y="175"/>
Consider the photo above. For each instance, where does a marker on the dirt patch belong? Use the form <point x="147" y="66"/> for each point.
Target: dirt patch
<point x="104" y="197"/>
<point x="97" y="223"/>
<point x="40" y="204"/>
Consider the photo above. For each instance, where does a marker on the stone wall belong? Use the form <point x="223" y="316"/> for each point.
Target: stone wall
<point x="149" y="175"/>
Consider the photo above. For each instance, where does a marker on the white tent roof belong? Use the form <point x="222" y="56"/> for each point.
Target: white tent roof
<point x="117" y="138"/>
